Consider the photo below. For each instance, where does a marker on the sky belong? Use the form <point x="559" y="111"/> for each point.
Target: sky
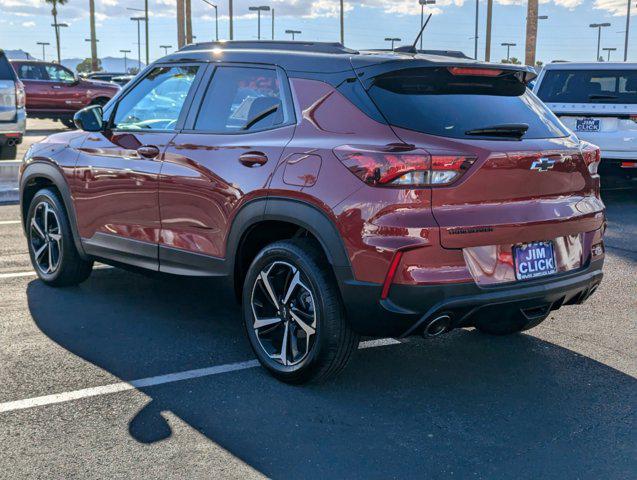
<point x="565" y="35"/>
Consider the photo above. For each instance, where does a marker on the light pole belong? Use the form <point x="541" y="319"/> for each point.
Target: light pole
<point x="145" y="10"/>
<point x="259" y="10"/>
<point x="508" y="45"/>
<point x="627" y="31"/>
<point x="599" y="27"/>
<point x="393" y="40"/>
<point x="125" y="52"/>
<point x="475" y="40"/>
<point x="293" y="33"/>
<point x="93" y="64"/>
<point x="608" y="50"/>
<point x="273" y="24"/>
<point x="216" y="18"/>
<point x="422" y="15"/>
<point x="57" y="27"/>
<point x="230" y="10"/>
<point x="540" y="17"/>
<point x="44" y="45"/>
<point x="139" y="41"/>
<point x="342" y="23"/>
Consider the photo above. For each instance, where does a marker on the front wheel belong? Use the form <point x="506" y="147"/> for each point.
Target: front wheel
<point x="293" y="314"/>
<point x="51" y="246"/>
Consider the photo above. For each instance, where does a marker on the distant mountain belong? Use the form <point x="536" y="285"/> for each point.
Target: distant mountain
<point x="109" y="64"/>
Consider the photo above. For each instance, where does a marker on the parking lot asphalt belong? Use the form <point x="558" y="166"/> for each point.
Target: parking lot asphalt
<point x="556" y="402"/>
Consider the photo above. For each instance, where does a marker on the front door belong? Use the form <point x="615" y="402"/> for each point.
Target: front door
<point x="65" y="95"/>
<point x="224" y="157"/>
<point x="117" y="172"/>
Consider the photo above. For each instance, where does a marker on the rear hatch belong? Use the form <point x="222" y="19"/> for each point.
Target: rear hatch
<point x="7" y="90"/>
<point x="527" y="178"/>
<point x="600" y="106"/>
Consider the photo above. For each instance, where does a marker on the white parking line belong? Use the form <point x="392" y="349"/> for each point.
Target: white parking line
<point x="150" y="381"/>
<point x="31" y="273"/>
<point x="9" y="222"/>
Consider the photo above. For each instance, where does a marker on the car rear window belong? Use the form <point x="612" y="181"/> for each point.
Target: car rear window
<point x="589" y="86"/>
<point x="6" y="71"/>
<point x="433" y="101"/>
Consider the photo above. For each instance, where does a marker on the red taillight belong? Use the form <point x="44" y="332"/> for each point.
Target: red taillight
<point x="391" y="273"/>
<point x="592" y="156"/>
<point x="20" y="97"/>
<point x="627" y="164"/>
<point x="633" y="118"/>
<point x="397" y="166"/>
<point x="475" y="72"/>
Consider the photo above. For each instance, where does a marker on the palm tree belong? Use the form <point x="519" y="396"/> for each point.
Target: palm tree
<point x="94" y="63"/>
<point x="54" y="11"/>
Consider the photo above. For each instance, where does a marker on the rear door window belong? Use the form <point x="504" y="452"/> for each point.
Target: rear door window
<point x="589" y="86"/>
<point x="31" y="71"/>
<point x="6" y="71"/>
<point x="241" y="100"/>
<point x="436" y="102"/>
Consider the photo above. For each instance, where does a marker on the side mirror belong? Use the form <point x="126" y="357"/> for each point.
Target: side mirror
<point x="89" y="119"/>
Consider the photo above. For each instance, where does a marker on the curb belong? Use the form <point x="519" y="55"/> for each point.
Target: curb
<point x="9" y="172"/>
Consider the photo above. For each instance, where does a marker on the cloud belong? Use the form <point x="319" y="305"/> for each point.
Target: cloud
<point x="28" y="24"/>
<point x="615" y="7"/>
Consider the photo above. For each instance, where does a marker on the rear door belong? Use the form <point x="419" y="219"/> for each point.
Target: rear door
<point x="599" y="105"/>
<point x="528" y="180"/>
<point x="239" y="124"/>
<point x="36" y="85"/>
<point x="7" y="91"/>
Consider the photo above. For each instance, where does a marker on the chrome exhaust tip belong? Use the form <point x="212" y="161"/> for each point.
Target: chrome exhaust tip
<point x="10" y="142"/>
<point x="437" y="326"/>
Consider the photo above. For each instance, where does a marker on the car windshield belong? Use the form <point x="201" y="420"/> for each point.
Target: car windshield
<point x="437" y="102"/>
<point x="589" y="86"/>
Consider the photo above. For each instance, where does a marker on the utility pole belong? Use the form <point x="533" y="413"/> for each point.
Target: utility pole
<point x="44" y="44"/>
<point x="342" y="23"/>
<point x="531" y="32"/>
<point x="181" y="37"/>
<point x="188" y="22"/>
<point x="487" y="47"/>
<point x="422" y="16"/>
<point x="599" y="27"/>
<point x="475" y="40"/>
<point x="293" y="33"/>
<point x="627" y="31"/>
<point x="93" y="38"/>
<point x="125" y="52"/>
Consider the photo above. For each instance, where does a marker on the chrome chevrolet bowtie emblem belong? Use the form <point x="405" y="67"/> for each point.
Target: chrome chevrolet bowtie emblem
<point x="543" y="164"/>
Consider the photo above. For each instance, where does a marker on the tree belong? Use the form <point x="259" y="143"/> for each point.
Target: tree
<point x="531" y="32"/>
<point x="54" y="11"/>
<point x="86" y="66"/>
<point x="539" y="64"/>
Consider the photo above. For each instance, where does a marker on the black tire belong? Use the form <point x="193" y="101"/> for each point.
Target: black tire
<point x="8" y="153"/>
<point x="65" y="266"/>
<point x="68" y="123"/>
<point x="507" y="324"/>
<point x="322" y="354"/>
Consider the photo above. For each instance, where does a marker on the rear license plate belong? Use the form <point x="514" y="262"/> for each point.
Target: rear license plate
<point x="587" y="125"/>
<point x="534" y="260"/>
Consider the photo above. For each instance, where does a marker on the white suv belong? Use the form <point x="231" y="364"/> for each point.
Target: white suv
<point x="12" y="110"/>
<point x="597" y="101"/>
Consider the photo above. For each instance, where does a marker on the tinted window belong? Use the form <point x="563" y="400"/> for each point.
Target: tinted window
<point x="589" y="86"/>
<point x="6" y="71"/>
<point x="242" y="99"/>
<point x="155" y="103"/>
<point x="31" y="71"/>
<point x="433" y="101"/>
<point x="57" y="73"/>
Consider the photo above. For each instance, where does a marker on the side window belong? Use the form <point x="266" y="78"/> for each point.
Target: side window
<point x="155" y="103"/>
<point x="242" y="99"/>
<point x="59" y="74"/>
<point x="29" y="71"/>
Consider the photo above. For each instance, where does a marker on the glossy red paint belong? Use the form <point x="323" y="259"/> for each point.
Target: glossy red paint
<point x="50" y="99"/>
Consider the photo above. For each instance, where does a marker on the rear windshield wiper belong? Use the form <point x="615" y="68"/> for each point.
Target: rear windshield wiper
<point x="597" y="96"/>
<point x="509" y="130"/>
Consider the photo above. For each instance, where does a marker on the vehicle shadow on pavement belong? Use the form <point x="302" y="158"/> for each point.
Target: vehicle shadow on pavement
<point x="464" y="405"/>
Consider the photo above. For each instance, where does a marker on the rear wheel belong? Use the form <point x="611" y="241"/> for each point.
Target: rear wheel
<point x="508" y="324"/>
<point x="8" y="153"/>
<point x="293" y="314"/>
<point x="51" y="246"/>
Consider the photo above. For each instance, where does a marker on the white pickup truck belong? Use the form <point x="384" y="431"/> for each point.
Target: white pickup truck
<point x="12" y="111"/>
<point x="597" y="101"/>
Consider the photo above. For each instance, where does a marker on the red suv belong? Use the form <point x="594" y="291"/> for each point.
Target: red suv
<point x="340" y="193"/>
<point x="55" y="92"/>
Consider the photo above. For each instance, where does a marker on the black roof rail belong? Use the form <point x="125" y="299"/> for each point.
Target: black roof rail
<point x="312" y="47"/>
<point x="407" y="49"/>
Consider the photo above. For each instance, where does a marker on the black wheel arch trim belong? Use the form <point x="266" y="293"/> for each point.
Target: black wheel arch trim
<point x="52" y="173"/>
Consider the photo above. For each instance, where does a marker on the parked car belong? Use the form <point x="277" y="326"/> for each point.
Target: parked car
<point x="12" y="112"/>
<point x="104" y="76"/>
<point x="598" y="101"/>
<point x="122" y="80"/>
<point x="53" y="91"/>
<point x="339" y="193"/>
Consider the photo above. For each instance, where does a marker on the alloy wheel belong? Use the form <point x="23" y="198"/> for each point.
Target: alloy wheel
<point x="45" y="238"/>
<point x="284" y="313"/>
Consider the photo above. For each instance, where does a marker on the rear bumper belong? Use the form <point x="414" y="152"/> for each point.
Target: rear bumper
<point x="14" y="130"/>
<point x="618" y="172"/>
<point x="409" y="308"/>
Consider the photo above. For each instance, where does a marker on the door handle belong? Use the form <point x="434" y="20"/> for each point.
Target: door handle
<point x="253" y="159"/>
<point x="56" y="87"/>
<point x="148" y="151"/>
